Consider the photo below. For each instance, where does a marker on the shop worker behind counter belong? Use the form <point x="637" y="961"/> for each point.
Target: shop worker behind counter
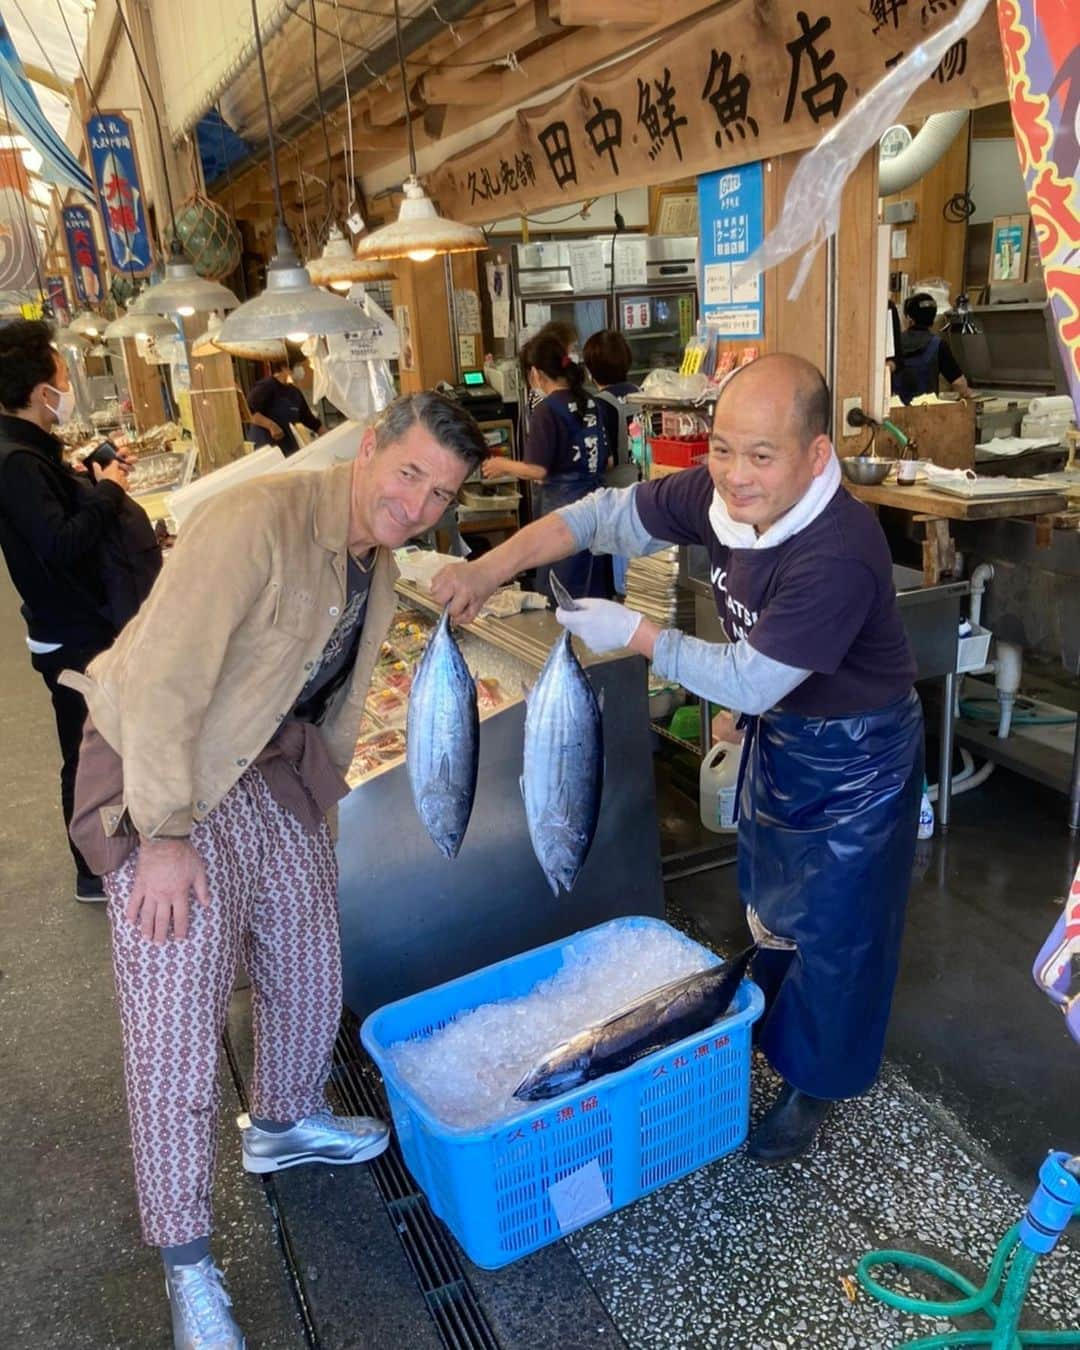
<point x="235" y="700"/>
<point x="819" y="662"/>
<point x="81" y="553"/>
<point x="926" y="358"/>
<point x="276" y="403"/>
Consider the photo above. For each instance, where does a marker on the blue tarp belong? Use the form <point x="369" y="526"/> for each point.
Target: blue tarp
<point x="59" y="165"/>
<point x="219" y="146"/>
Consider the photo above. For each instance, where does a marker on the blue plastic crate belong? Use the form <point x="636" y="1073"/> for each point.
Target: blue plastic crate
<point x="634" y="1131"/>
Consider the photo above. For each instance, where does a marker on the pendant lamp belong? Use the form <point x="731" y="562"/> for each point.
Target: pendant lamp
<point x="292" y="306"/>
<point x="338" y="268"/>
<point x="210" y="344"/>
<point x="419" y="232"/>
<point x="182" y="291"/>
<point x="87" y="325"/>
<point x="140" y="325"/>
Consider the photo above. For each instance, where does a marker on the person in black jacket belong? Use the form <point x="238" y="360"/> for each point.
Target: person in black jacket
<point x="53" y="521"/>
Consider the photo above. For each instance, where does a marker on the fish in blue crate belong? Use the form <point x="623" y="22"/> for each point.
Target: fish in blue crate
<point x="660" y="1018"/>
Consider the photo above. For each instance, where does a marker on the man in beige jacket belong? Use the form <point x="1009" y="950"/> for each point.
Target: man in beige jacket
<point x="221" y="724"/>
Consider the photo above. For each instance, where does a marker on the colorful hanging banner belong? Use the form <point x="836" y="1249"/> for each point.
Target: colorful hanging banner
<point x="18" y="269"/>
<point x="56" y="294"/>
<point x="116" y="174"/>
<point x="1041" y="42"/>
<point x="82" y="251"/>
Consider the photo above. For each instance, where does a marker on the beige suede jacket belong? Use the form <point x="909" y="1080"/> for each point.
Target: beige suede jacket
<point x="197" y="684"/>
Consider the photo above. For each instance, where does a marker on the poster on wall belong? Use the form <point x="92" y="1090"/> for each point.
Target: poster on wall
<point x="56" y="293"/>
<point x="82" y="251"/>
<point x="116" y="176"/>
<point x="731" y="215"/>
<point x="1008" y="254"/>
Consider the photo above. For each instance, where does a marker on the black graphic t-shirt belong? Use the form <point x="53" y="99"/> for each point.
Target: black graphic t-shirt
<point x="334" y="665"/>
<point x="824" y="600"/>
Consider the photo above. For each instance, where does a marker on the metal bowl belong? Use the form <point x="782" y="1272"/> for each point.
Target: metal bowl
<point x="865" y="469"/>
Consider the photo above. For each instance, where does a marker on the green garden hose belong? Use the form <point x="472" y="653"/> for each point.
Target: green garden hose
<point x="1004" y="1317"/>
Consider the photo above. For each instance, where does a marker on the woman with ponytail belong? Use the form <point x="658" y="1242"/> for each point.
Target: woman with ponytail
<point x="566" y="453"/>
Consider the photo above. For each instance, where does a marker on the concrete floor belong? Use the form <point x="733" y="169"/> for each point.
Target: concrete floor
<point x="941" y="1156"/>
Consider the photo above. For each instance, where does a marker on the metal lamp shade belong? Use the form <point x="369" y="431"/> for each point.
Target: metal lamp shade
<point x="183" y="291"/>
<point x="337" y="266"/>
<point x="138" y="325"/>
<point x="210" y="344"/>
<point x="419" y="232"/>
<point x="292" y="307"/>
<point x="87" y="325"/>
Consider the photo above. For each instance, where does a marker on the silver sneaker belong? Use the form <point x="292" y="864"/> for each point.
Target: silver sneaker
<point x="325" y="1138"/>
<point x="200" y="1309"/>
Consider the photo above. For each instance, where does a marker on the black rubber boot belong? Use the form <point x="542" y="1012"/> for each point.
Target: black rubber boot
<point x="788" y="1128"/>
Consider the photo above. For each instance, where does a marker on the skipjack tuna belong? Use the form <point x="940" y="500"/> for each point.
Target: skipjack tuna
<point x="660" y="1018"/>
<point x="563" y="776"/>
<point x="443" y="740"/>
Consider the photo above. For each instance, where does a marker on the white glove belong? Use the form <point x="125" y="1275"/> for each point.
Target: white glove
<point x="603" y="625"/>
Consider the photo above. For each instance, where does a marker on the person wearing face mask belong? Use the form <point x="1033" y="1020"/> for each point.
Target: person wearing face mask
<point x="818" y="663"/>
<point x="53" y="522"/>
<point x="276" y="403"/>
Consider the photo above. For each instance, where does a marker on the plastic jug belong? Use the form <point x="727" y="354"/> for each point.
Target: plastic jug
<point x="717" y="785"/>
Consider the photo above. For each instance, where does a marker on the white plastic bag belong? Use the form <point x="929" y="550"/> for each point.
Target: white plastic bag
<point x="812" y="206"/>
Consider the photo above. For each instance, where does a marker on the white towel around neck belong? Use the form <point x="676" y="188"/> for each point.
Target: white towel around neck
<point x="734" y="534"/>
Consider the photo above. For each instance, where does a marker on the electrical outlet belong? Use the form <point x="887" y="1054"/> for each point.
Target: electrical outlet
<point x="846" y="408"/>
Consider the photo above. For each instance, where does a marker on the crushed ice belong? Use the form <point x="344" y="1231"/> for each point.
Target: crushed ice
<point x="466" y="1073"/>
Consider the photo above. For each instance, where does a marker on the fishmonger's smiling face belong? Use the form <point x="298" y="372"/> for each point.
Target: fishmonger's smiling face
<point x="763" y="455"/>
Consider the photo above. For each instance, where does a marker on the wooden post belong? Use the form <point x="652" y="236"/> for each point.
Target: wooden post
<point x="426" y="357"/>
<point x="215" y="411"/>
<point x="794" y="326"/>
<point x="144" y="388"/>
<point x="857" y="297"/>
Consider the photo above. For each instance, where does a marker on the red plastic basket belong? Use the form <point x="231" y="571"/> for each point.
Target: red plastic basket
<point x="679" y="452"/>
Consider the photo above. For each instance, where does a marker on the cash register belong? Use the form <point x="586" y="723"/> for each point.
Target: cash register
<point x="482" y="400"/>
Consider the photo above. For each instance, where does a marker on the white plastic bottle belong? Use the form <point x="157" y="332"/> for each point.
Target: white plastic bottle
<point x="717" y="785"/>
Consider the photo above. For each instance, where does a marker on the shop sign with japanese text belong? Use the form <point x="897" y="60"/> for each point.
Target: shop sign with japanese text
<point x="82" y="251"/>
<point x="742" y="83"/>
<point x="56" y="294"/>
<point x="116" y="176"/>
<point x="731" y="216"/>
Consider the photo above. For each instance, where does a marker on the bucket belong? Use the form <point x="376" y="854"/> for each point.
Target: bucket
<point x="717" y="786"/>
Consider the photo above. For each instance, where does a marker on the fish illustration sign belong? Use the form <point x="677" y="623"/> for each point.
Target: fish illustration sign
<point x="82" y="250"/>
<point x="116" y="175"/>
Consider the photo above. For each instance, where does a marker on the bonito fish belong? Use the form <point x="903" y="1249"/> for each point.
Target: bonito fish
<point x="660" y="1018"/>
<point x="563" y="776"/>
<point x="443" y="740"/>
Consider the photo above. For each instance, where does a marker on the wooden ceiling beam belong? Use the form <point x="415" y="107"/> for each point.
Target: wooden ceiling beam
<point x="452" y="87"/>
<point x="605" y="13"/>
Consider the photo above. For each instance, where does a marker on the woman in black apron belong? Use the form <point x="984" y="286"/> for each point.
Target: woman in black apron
<point x="566" y="453"/>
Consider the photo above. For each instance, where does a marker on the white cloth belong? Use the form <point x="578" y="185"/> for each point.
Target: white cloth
<point x="734" y="534"/>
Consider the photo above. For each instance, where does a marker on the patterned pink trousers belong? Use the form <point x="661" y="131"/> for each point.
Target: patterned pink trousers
<point x="273" y="906"/>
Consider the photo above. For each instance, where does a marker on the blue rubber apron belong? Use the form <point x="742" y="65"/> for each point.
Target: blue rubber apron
<point x="828" y="813"/>
<point x="582" y="574"/>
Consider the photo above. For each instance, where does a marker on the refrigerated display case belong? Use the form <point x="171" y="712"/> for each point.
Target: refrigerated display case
<point x="652" y="298"/>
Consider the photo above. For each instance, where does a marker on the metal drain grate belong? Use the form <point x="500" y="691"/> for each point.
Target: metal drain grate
<point x="450" y="1299"/>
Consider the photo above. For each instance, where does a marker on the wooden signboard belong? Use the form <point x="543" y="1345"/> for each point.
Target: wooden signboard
<point x="743" y="82"/>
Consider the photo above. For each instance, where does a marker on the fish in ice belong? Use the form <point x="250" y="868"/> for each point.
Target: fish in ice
<point x="659" y="1018"/>
<point x="563" y="776"/>
<point x="442" y="740"/>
